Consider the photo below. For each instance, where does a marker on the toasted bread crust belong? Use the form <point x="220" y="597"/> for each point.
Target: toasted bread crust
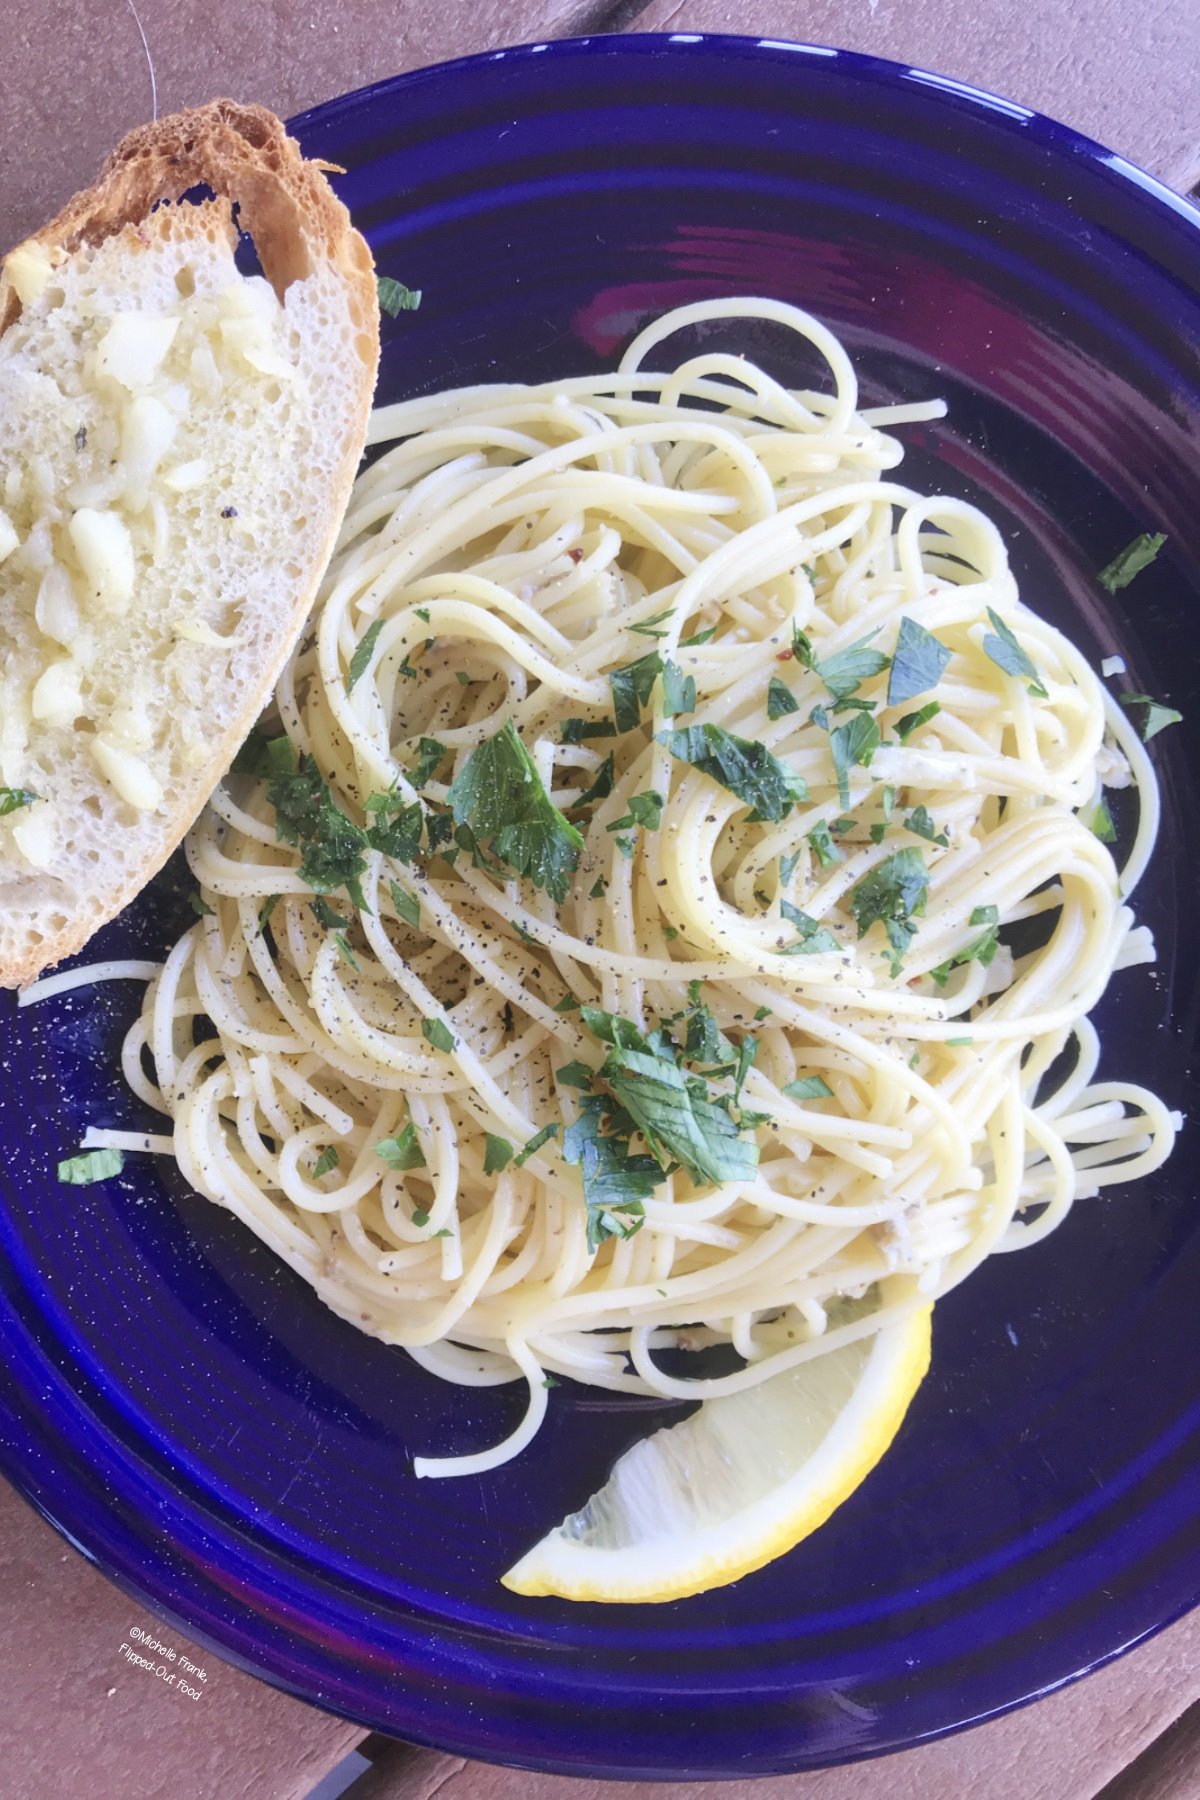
<point x="244" y="155"/>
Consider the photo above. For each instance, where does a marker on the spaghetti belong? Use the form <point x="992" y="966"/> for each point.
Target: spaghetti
<point x="723" y="894"/>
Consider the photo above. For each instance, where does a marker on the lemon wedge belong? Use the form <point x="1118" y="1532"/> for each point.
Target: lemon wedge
<point x="699" y="1504"/>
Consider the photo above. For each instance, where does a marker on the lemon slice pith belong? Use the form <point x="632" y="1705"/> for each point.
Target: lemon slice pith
<point x="699" y="1504"/>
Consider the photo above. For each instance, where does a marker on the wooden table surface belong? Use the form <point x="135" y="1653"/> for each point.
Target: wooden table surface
<point x="75" y="1718"/>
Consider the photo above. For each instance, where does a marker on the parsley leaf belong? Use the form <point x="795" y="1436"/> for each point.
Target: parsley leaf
<point x="308" y="818"/>
<point x="402" y="1152"/>
<point x="266" y="909"/>
<point x="700" y="637"/>
<point x="535" y="1143"/>
<point x="326" y="1162"/>
<point x="89" y="1166"/>
<point x="398" y="837"/>
<point x="914" y="720"/>
<point x="429" y="756"/>
<point x="498" y="1153"/>
<point x="407" y="906"/>
<point x="601" y="787"/>
<point x="845" y="671"/>
<point x="918" y="664"/>
<point x="394" y="297"/>
<point x="854" y="742"/>
<point x="824" y="848"/>
<point x="575" y="730"/>
<point x="363" y="652"/>
<point x="746" y="768"/>
<point x="808" y="1087"/>
<point x="438" y="1033"/>
<point x="780" y="699"/>
<point x="615" y="1183"/>
<point x="892" y="894"/>
<point x="814" y="939"/>
<point x="632" y="686"/>
<point x="676" y="1119"/>
<point x="499" y="793"/>
<point x="787" y="866"/>
<point x="646" y="628"/>
<point x="12" y="799"/>
<point x="1131" y="561"/>
<point x="567" y="1004"/>
<point x="1007" y="654"/>
<point x="921" y="825"/>
<point x="644" y="809"/>
<point x="1101" y="822"/>
<point x="981" y="950"/>
<point x="679" y="690"/>
<point x="576" y="1075"/>
<point x="328" y="916"/>
<point x="1156" y="717"/>
<point x="200" y="906"/>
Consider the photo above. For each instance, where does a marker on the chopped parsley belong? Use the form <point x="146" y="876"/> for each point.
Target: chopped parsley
<point x="1156" y="717"/>
<point x="429" y="757"/>
<point x="601" y="787"/>
<point x="914" y="720"/>
<point x="438" y="1033"/>
<point x="90" y="1166"/>
<point x="499" y="794"/>
<point x="632" y="687"/>
<point x="647" y="626"/>
<point x="644" y="809"/>
<point x="394" y="297"/>
<point x="400" y="836"/>
<point x="1131" y="561"/>
<point x="363" y="652"/>
<point x="309" y="819"/>
<point x="824" y="848"/>
<point x="918" y="663"/>
<point x="1007" y="654"/>
<point x="982" y="950"/>
<point x="780" y="699"/>
<point x="679" y="690"/>
<point x="326" y="1162"/>
<point x="893" y="895"/>
<point x="535" y="1143"/>
<point x="576" y="1075"/>
<point x="200" y="906"/>
<point x="854" y="742"/>
<point x="921" y="825"/>
<point x="1100" y="822"/>
<point x="746" y="768"/>
<point x="787" y="865"/>
<point x="266" y="909"/>
<point x="575" y="730"/>
<point x="497" y="1155"/>
<point x="12" y="799"/>
<point x="402" y="1152"/>
<point x="808" y="1087"/>
<point x="567" y="1004"/>
<point x="700" y="637"/>
<point x="845" y="671"/>
<point x="407" y="906"/>
<point x="616" y="1182"/>
<point x="814" y="939"/>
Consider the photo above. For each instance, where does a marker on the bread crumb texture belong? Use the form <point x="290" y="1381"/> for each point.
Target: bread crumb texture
<point x="177" y="441"/>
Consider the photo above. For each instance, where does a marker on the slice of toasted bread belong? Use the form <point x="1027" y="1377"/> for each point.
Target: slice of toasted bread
<point x="177" y="445"/>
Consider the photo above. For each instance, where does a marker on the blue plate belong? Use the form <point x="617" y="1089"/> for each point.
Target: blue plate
<point x="184" y="1409"/>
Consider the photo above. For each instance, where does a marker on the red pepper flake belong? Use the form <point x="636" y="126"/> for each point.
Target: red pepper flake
<point x="785" y="656"/>
<point x="576" y="555"/>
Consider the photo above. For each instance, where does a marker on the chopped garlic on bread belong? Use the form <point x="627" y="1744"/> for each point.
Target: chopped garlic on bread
<point x="177" y="444"/>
